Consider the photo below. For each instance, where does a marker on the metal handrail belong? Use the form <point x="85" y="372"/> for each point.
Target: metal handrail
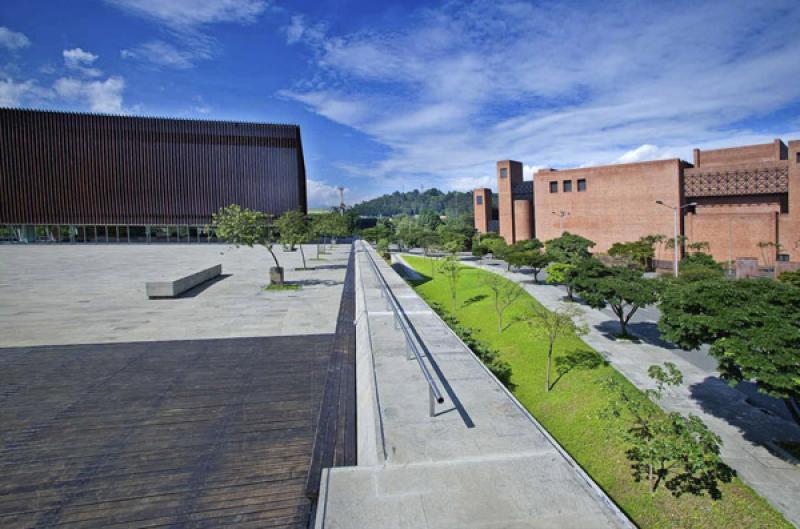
<point x="402" y="319"/>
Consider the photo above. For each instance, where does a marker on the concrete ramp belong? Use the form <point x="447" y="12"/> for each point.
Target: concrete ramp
<point x="481" y="461"/>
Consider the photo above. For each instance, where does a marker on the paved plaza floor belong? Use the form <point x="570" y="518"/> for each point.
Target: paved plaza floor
<point x="67" y="294"/>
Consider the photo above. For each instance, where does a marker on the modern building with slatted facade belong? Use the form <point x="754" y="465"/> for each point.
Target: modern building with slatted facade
<point x="98" y="178"/>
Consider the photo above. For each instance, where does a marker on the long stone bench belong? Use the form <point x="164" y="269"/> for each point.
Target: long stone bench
<point x="171" y="289"/>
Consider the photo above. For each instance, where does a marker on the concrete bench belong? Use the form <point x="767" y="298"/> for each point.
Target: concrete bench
<point x="171" y="289"/>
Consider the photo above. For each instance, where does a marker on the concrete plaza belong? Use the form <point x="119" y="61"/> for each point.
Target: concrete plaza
<point x="69" y="294"/>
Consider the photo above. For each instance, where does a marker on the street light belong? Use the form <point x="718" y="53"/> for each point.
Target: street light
<point x="675" y="210"/>
<point x="561" y="214"/>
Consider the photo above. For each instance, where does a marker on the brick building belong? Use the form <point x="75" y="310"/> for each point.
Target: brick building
<point x="742" y="196"/>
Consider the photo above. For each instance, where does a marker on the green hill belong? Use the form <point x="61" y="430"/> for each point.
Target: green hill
<point x="413" y="202"/>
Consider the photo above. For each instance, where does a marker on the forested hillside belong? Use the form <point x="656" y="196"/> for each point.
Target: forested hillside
<point x="413" y="202"/>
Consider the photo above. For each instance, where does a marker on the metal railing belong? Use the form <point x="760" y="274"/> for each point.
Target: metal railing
<point x="401" y="320"/>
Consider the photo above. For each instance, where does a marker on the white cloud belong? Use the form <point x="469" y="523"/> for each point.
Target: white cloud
<point x="12" y="39"/>
<point x="12" y="93"/>
<point x="81" y="60"/>
<point x="184" y="14"/>
<point x="322" y="195"/>
<point x="162" y="53"/>
<point x="299" y="30"/>
<point x="461" y="86"/>
<point x="98" y="96"/>
<point x="644" y="153"/>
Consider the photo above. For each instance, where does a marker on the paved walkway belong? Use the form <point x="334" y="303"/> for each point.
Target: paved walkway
<point x="748" y="431"/>
<point x="481" y="462"/>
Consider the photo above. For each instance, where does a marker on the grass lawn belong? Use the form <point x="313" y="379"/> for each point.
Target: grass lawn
<point x="571" y="413"/>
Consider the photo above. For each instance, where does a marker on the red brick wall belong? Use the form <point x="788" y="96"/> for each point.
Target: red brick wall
<point x="734" y="231"/>
<point x="513" y="171"/>
<point x="619" y="203"/>
<point x="764" y="152"/>
<point x="789" y="224"/>
<point x="523" y="220"/>
<point x="483" y="211"/>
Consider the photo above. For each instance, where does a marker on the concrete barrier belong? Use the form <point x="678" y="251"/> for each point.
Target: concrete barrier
<point x="171" y="289"/>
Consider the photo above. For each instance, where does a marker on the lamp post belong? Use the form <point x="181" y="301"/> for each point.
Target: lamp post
<point x="675" y="210"/>
<point x="561" y="214"/>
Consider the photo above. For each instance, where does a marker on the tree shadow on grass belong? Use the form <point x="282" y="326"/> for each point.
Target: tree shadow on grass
<point x="577" y="359"/>
<point x="473" y="300"/>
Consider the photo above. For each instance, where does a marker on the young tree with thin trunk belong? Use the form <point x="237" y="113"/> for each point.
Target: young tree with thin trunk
<point x="451" y="269"/>
<point x="246" y="227"/>
<point x="504" y="294"/>
<point x="555" y="324"/>
<point x="293" y="230"/>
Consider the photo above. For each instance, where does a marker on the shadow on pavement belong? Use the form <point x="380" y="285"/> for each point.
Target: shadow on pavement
<point x="757" y="424"/>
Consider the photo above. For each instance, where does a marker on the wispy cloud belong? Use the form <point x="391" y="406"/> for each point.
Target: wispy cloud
<point x="186" y="21"/>
<point x="469" y="83"/>
<point x="162" y="53"/>
<point x="13" y="40"/>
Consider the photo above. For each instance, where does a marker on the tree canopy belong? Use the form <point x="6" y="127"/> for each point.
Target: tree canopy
<point x="753" y="327"/>
<point x="569" y="248"/>
<point x="414" y="202"/>
<point x="245" y="227"/>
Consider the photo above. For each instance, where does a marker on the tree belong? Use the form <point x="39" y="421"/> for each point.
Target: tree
<point x="383" y="248"/>
<point x="504" y="294"/>
<point x="407" y="232"/>
<point x="622" y="289"/>
<point x="559" y="273"/>
<point x="699" y="266"/>
<point x="294" y="230"/>
<point x="753" y="327"/>
<point x="640" y="252"/>
<point x="555" y="324"/>
<point x="680" y="451"/>
<point x="451" y="269"/>
<point x="569" y="248"/>
<point x="790" y="278"/>
<point x="698" y="246"/>
<point x="457" y="231"/>
<point x="527" y="253"/>
<point x="245" y="227"/>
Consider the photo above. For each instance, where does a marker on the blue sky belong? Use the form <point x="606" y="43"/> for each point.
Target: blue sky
<point x="406" y="95"/>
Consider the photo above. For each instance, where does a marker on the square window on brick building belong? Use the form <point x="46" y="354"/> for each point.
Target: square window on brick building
<point x="479" y="200"/>
<point x="567" y="186"/>
<point x="798" y="157"/>
<point x="582" y="184"/>
<point x="554" y="187"/>
<point x="503" y="172"/>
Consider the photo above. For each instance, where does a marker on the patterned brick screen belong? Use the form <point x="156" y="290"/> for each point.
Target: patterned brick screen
<point x="739" y="181"/>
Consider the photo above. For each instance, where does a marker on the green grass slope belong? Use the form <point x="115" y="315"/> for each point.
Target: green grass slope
<point x="571" y="413"/>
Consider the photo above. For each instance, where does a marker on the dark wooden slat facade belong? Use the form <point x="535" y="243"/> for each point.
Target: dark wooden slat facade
<point x="66" y="168"/>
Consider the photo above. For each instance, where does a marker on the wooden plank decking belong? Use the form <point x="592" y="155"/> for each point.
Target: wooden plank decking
<point x="179" y="434"/>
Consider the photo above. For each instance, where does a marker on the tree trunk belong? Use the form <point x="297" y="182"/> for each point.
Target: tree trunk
<point x="499" y="322"/>
<point x="303" y="255"/>
<point x="650" y="479"/>
<point x="549" y="363"/>
<point x="569" y="292"/>
<point x="623" y="323"/>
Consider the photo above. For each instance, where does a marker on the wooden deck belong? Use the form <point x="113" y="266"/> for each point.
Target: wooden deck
<point x="178" y="434"/>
